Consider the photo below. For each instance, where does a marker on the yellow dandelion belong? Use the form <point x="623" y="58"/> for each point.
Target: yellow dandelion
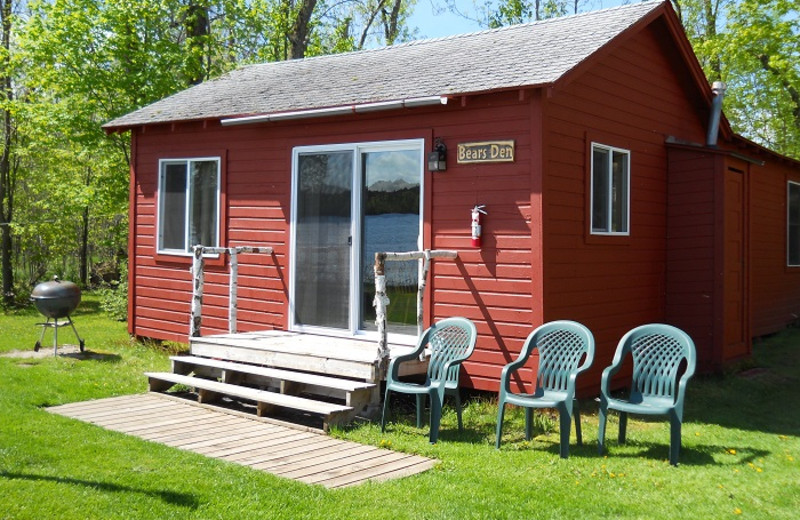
<point x="611" y="475"/>
<point x="697" y="434"/>
<point x="790" y="458"/>
<point x="737" y="511"/>
<point x="759" y="470"/>
<point x="731" y="451"/>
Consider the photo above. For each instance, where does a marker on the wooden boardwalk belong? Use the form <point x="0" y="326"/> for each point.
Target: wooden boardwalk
<point x="304" y="455"/>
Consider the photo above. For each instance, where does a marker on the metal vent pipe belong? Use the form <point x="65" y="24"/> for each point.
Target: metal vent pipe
<point x="718" y="88"/>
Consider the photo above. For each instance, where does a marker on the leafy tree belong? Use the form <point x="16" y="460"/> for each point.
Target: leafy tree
<point x="754" y="47"/>
<point x="8" y="153"/>
<point x="760" y="57"/>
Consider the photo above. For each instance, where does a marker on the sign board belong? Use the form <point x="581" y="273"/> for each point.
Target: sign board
<point x="486" y="152"/>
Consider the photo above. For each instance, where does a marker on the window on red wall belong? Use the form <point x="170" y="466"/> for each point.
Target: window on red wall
<point x="188" y="209"/>
<point x="793" y="225"/>
<point x="610" y="200"/>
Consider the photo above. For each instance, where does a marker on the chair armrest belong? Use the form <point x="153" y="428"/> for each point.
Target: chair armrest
<point x="522" y="358"/>
<point x="681" y="393"/>
<point x="608" y="373"/>
<point x="394" y="363"/>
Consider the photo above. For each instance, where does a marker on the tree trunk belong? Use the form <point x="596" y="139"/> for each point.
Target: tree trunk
<point x="197" y="30"/>
<point x="299" y="32"/>
<point x="390" y="22"/>
<point x="6" y="172"/>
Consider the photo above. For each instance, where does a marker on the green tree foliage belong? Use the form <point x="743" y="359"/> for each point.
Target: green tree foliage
<point x="68" y="66"/>
<point x="754" y="47"/>
<point x="760" y="55"/>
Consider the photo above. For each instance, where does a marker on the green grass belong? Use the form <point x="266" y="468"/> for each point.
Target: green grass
<point x="741" y="450"/>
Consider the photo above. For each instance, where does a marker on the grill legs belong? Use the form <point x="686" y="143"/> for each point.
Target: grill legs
<point x="55" y="324"/>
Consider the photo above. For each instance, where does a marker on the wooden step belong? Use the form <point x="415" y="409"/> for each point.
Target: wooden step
<point x="322" y="355"/>
<point x="357" y="394"/>
<point x="209" y="390"/>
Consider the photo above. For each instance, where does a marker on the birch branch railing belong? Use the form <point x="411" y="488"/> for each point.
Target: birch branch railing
<point x="233" y="284"/>
<point x="381" y="300"/>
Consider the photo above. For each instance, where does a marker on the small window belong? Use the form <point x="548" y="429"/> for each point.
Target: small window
<point x="610" y="190"/>
<point x="793" y="225"/>
<point x="188" y="211"/>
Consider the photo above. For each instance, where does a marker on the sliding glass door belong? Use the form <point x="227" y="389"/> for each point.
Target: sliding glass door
<point x="350" y="202"/>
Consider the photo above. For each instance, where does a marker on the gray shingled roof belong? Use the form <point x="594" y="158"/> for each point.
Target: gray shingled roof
<point x="525" y="55"/>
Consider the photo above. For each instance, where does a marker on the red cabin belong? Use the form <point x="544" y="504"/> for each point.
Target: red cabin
<point x="591" y="141"/>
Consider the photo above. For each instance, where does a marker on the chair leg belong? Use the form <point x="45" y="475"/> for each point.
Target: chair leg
<point x="674" y="440"/>
<point x="501" y="409"/>
<point x="385" y="406"/>
<point x="436" y="417"/>
<point x="577" y="413"/>
<point x="602" y="414"/>
<point x="623" y="426"/>
<point x="528" y="423"/>
<point x="457" y="395"/>
<point x="420" y="409"/>
<point x="566" y="423"/>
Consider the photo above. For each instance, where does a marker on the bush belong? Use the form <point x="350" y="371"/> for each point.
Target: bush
<point x="114" y="296"/>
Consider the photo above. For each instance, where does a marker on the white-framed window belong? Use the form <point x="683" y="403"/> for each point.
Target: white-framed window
<point x="793" y="224"/>
<point x="188" y="204"/>
<point x="610" y="198"/>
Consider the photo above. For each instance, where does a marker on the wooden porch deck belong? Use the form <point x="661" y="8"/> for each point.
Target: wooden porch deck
<point x="301" y="454"/>
<point x="343" y="357"/>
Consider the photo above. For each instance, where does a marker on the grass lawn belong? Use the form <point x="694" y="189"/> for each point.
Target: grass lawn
<point x="740" y="457"/>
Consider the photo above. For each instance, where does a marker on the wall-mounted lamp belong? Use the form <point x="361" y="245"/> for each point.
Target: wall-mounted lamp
<point x="437" y="159"/>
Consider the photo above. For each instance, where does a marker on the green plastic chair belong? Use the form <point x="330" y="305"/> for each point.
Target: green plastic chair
<point x="561" y="345"/>
<point x="657" y="387"/>
<point x="451" y="342"/>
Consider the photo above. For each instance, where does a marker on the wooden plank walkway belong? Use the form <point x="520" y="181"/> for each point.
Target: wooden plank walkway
<point x="304" y="455"/>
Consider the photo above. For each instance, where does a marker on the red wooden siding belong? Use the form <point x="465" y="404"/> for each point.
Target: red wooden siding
<point x="691" y="289"/>
<point x="631" y="99"/>
<point x="491" y="285"/>
<point x="775" y="288"/>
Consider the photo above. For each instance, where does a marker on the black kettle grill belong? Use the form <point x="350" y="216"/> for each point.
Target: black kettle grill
<point x="56" y="300"/>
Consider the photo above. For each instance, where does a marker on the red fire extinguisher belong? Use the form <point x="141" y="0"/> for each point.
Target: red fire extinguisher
<point x="476" y="224"/>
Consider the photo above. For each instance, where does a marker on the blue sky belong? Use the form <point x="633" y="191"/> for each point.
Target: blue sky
<point x="433" y="21"/>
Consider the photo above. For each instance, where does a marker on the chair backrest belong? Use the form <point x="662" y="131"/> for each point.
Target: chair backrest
<point x="451" y="339"/>
<point x="658" y="351"/>
<point x="562" y="345"/>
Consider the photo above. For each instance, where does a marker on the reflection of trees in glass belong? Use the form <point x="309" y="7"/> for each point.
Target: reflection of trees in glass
<point x="401" y="201"/>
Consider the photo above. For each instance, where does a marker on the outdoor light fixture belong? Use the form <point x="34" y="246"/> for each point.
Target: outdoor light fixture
<point x="437" y="159"/>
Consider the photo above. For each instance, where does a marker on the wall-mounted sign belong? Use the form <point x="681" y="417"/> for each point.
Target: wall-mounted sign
<point x="486" y="152"/>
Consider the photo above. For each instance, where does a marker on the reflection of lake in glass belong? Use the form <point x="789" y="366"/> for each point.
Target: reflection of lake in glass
<point x="391" y="232"/>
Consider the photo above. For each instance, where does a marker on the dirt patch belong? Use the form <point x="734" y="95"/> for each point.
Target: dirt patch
<point x="66" y="351"/>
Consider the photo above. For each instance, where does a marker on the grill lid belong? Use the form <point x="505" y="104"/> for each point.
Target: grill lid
<point x="57" y="298"/>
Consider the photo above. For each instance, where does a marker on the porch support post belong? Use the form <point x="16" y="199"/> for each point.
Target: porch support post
<point x="233" y="283"/>
<point x="380" y="302"/>
<point x="423" y="278"/>
<point x="233" y="289"/>
<point x="197" y="292"/>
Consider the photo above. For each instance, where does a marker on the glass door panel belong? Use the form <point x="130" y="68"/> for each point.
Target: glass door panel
<point x="323" y="239"/>
<point x="390" y="221"/>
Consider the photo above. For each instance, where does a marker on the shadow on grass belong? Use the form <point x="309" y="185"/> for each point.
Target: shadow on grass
<point x="178" y="499"/>
<point x="88" y="355"/>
